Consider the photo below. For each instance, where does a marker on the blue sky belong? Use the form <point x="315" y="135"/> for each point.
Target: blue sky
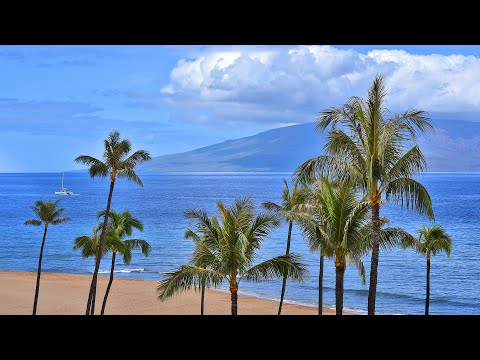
<point x="57" y="102"/>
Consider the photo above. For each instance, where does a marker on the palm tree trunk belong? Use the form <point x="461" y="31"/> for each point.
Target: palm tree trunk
<point x="339" y="277"/>
<point x="234" y="297"/>
<point x="112" y="268"/>
<point x="372" y="291"/>
<point x="39" y="272"/>
<point x="427" y="300"/>
<point x="284" y="283"/>
<point x="202" y="302"/>
<point x="320" y="287"/>
<point x="93" y="286"/>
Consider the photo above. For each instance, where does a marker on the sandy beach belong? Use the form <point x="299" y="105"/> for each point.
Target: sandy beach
<point x="67" y="294"/>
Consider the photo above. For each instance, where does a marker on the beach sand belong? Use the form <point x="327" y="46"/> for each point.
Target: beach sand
<point x="67" y="294"/>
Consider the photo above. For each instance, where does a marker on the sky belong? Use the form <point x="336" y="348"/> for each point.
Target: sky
<point x="58" y="102"/>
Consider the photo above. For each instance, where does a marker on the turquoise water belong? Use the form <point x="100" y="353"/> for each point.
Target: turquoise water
<point x="455" y="280"/>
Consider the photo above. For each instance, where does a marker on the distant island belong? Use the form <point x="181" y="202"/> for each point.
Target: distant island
<point x="455" y="146"/>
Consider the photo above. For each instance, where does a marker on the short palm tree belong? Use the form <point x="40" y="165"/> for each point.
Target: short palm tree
<point x="89" y="244"/>
<point x="116" y="163"/>
<point x="342" y="231"/>
<point x="198" y="261"/>
<point x="47" y="213"/>
<point x="292" y="204"/>
<point x="227" y="250"/>
<point x="378" y="154"/>
<point x="119" y="227"/>
<point x="336" y="231"/>
<point x="432" y="241"/>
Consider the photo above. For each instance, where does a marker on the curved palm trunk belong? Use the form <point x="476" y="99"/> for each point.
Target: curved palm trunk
<point x="339" y="277"/>
<point x="427" y="300"/>
<point x="93" y="286"/>
<point x="112" y="268"/>
<point x="234" y="297"/>
<point x="372" y="291"/>
<point x="202" y="302"/>
<point x="320" y="287"/>
<point x="39" y="272"/>
<point x="284" y="283"/>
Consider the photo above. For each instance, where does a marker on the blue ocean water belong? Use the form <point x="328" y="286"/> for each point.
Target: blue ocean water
<point x="455" y="280"/>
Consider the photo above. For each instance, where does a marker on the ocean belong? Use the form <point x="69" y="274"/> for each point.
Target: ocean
<point x="455" y="280"/>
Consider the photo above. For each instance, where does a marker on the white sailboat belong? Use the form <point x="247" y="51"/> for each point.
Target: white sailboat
<point x="64" y="190"/>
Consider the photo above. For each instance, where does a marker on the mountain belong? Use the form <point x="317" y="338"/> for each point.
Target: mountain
<point x="454" y="146"/>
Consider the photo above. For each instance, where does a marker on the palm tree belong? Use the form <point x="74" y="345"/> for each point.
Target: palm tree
<point x="119" y="227"/>
<point x="116" y="163"/>
<point x="227" y="251"/>
<point x="89" y="244"/>
<point x="336" y="230"/>
<point x="341" y="230"/>
<point x="47" y="213"/>
<point x="374" y="151"/>
<point x="291" y="205"/>
<point x="435" y="241"/>
<point x="198" y="261"/>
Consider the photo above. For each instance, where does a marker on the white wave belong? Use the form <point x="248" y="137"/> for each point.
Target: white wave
<point x="125" y="271"/>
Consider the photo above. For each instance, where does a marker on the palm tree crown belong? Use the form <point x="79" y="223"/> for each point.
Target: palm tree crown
<point x="120" y="226"/>
<point x="292" y="202"/>
<point x="47" y="212"/>
<point x="226" y="251"/>
<point x="373" y="150"/>
<point x="433" y="240"/>
<point x="89" y="244"/>
<point x="116" y="161"/>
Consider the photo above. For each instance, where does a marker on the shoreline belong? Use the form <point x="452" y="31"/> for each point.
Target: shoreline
<point x="66" y="294"/>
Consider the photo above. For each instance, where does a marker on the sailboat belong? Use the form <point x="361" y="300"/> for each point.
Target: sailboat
<point x="64" y="191"/>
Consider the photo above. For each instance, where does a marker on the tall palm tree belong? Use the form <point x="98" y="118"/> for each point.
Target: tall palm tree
<point x="47" y="213"/>
<point x="291" y="205"/>
<point x="116" y="163"/>
<point x="89" y="244"/>
<point x="228" y="249"/>
<point x="119" y="227"/>
<point x="377" y="153"/>
<point x="435" y="241"/>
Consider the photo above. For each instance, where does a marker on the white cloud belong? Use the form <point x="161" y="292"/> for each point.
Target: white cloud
<point x="290" y="84"/>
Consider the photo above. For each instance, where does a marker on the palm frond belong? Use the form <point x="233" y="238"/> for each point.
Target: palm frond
<point x="414" y="120"/>
<point x="33" y="222"/>
<point x="143" y="245"/>
<point x="411" y="163"/>
<point x="57" y="221"/>
<point x="97" y="167"/>
<point x="186" y="278"/>
<point x="339" y="144"/>
<point x="361" y="268"/>
<point x="411" y="194"/>
<point x="130" y="174"/>
<point x="276" y="267"/>
<point x="135" y="159"/>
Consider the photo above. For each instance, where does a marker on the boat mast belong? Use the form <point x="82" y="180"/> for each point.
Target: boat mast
<point x="63" y="174"/>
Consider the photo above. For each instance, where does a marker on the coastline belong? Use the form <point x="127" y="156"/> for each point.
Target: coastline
<point x="66" y="294"/>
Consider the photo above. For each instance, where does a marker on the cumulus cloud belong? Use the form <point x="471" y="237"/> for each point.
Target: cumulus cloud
<point x="290" y="84"/>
